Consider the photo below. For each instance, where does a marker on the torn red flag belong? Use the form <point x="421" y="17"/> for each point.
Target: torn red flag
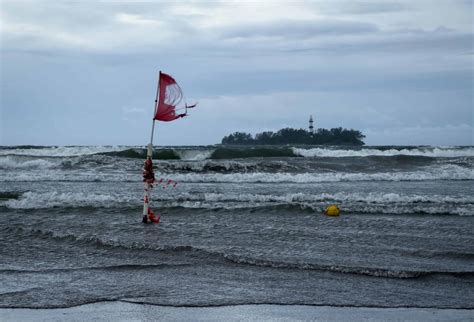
<point x="169" y="96"/>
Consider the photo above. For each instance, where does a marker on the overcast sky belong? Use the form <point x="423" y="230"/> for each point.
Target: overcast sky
<point x="85" y="72"/>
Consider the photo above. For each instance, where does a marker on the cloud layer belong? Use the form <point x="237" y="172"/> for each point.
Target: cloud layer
<point x="85" y="72"/>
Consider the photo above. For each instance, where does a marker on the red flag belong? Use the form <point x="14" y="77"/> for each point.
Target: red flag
<point x="170" y="95"/>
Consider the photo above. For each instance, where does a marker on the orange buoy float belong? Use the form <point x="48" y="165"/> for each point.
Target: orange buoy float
<point x="332" y="210"/>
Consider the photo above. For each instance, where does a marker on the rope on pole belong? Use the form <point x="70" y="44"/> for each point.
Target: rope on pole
<point x="148" y="175"/>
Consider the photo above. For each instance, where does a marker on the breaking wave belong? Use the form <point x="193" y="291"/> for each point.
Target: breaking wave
<point x="225" y="152"/>
<point x="59" y="151"/>
<point x="12" y="162"/>
<point x="371" y="197"/>
<point x="252" y="152"/>
<point x="369" y="203"/>
<point x="368" y="271"/>
<point x="140" y="153"/>
<point x="35" y="200"/>
<point x="351" y="203"/>
<point x="227" y="166"/>
<point x="206" y="153"/>
<point x="194" y="154"/>
<point x="434" y="152"/>
<point x="232" y="259"/>
<point x="250" y="174"/>
<point x="442" y="172"/>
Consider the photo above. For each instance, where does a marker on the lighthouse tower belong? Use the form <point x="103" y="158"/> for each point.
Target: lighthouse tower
<point x="311" y="128"/>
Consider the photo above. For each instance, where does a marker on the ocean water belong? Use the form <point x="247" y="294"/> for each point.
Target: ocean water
<point x="242" y="226"/>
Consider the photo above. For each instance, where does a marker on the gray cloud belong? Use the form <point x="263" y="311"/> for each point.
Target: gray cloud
<point x="410" y="42"/>
<point x="299" y="29"/>
<point x="440" y="40"/>
<point x="81" y="73"/>
<point x="363" y="7"/>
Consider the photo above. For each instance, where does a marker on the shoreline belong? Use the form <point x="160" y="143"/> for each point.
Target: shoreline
<point x="125" y="311"/>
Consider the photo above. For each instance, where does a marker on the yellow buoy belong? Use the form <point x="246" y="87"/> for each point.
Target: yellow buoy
<point x="332" y="210"/>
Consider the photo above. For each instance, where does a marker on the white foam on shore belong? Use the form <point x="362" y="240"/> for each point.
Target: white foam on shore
<point x="35" y="200"/>
<point x="426" y="152"/>
<point x="125" y="311"/>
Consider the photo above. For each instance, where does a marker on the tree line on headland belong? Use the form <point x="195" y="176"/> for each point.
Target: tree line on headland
<point x="334" y="136"/>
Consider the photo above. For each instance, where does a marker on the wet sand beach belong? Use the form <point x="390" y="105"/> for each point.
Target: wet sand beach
<point x="121" y="311"/>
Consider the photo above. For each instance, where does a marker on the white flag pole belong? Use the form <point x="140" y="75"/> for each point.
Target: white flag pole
<point x="149" y="154"/>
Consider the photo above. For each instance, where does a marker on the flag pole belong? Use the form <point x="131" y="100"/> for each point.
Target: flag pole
<point x="156" y="106"/>
<point x="149" y="155"/>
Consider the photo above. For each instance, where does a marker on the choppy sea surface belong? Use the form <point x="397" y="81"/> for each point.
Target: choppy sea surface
<point x="244" y="225"/>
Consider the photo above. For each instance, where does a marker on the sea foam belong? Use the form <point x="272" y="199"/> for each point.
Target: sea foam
<point x="450" y="172"/>
<point x="365" y="152"/>
<point x="376" y="203"/>
<point x="54" y="199"/>
<point x="62" y="151"/>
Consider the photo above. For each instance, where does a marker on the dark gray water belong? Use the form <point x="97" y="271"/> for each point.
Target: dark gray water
<point x="238" y="230"/>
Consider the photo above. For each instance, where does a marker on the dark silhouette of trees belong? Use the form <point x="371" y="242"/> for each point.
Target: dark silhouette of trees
<point x="335" y="136"/>
<point x="239" y="138"/>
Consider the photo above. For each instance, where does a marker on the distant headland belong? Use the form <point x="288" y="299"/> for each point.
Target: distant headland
<point x="334" y="136"/>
